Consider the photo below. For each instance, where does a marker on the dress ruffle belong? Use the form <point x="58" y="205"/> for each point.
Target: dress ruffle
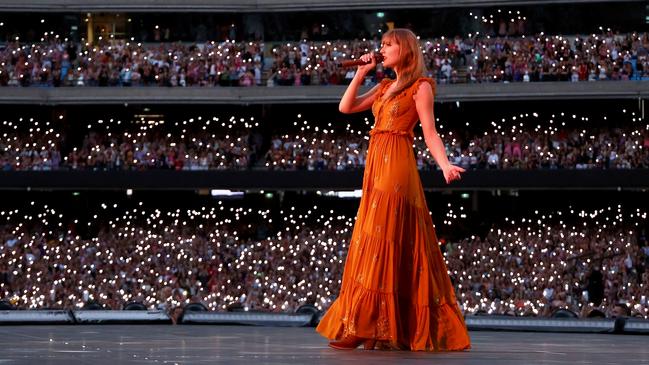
<point x="423" y="80"/>
<point x="368" y="314"/>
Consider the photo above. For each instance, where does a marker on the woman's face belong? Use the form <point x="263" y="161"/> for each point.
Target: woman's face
<point x="390" y="52"/>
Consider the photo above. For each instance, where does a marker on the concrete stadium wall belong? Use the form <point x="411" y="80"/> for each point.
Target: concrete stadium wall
<point x="314" y="94"/>
<point x="632" y="179"/>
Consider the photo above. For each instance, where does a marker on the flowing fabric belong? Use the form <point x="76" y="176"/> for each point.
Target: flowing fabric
<point x="395" y="285"/>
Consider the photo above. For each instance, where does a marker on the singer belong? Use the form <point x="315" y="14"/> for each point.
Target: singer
<point x="396" y="292"/>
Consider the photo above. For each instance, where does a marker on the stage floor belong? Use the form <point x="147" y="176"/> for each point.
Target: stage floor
<point x="210" y="344"/>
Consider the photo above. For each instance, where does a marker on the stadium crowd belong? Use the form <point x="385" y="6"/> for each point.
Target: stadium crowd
<point x="534" y="266"/>
<point x="204" y="152"/>
<point x="535" y="143"/>
<point x="185" y="146"/>
<point x="122" y="63"/>
<point x="222" y="257"/>
<point x="477" y="59"/>
<point x="566" y="148"/>
<point x="595" y="57"/>
<point x="474" y="58"/>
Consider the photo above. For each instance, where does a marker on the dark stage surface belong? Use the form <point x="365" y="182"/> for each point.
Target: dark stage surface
<point x="209" y="344"/>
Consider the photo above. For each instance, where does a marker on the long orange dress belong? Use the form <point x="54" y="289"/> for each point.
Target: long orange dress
<point x="395" y="285"/>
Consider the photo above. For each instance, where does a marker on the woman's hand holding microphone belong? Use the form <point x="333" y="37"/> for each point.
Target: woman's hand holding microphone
<point x="371" y="59"/>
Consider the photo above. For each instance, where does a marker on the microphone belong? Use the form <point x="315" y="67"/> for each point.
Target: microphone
<point x="351" y="63"/>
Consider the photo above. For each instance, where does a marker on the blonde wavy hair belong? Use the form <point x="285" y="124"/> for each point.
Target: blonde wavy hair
<point x="411" y="64"/>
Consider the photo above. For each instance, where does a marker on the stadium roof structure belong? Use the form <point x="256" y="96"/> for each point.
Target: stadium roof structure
<point x="259" y="5"/>
<point x="561" y="90"/>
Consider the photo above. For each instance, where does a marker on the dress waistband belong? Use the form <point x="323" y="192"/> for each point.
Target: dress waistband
<point x="408" y="134"/>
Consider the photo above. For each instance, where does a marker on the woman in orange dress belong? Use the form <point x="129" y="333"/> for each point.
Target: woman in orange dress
<point x="395" y="289"/>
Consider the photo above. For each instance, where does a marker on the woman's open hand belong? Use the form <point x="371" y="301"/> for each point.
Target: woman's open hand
<point x="452" y="172"/>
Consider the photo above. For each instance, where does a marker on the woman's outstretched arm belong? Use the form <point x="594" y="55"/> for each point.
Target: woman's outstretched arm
<point x="424" y="103"/>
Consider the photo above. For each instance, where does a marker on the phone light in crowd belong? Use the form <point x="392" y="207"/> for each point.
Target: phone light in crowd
<point x="225" y="193"/>
<point x="380" y="14"/>
<point x="465" y="195"/>
<point x="345" y="194"/>
<point x="129" y="192"/>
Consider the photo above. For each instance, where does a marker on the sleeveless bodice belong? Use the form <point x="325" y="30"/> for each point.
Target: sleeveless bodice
<point x="398" y="114"/>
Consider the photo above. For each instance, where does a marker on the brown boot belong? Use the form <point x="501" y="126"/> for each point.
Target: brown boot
<point x="347" y="343"/>
<point x="369" y="344"/>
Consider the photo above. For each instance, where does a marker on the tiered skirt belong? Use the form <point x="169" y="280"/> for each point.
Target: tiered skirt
<point x="395" y="287"/>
